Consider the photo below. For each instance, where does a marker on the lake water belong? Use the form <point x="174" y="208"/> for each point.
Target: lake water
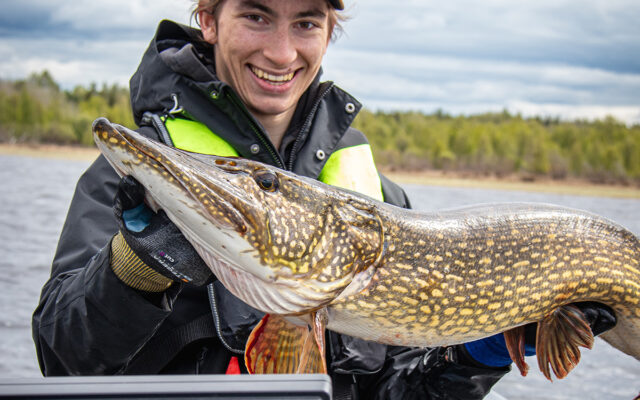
<point x="35" y="196"/>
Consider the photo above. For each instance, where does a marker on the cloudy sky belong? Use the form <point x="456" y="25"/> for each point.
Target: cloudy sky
<point x="567" y="58"/>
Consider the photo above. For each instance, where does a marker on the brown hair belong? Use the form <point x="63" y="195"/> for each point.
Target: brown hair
<point x="335" y="16"/>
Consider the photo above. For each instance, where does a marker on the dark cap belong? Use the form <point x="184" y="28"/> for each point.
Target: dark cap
<point x="337" y="4"/>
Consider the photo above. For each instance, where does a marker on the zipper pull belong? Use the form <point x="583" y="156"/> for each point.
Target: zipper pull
<point x="177" y="108"/>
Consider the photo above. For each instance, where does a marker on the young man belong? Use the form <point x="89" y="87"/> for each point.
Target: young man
<point x="247" y="84"/>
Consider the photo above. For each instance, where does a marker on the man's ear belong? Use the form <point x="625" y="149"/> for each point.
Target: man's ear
<point x="208" y="26"/>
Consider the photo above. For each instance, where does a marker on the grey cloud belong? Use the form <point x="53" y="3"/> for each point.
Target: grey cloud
<point x="465" y="85"/>
<point x="417" y="70"/>
<point x="87" y="19"/>
<point x="80" y="41"/>
<point x="71" y="63"/>
<point x="573" y="57"/>
<point x="580" y="32"/>
<point x="29" y="19"/>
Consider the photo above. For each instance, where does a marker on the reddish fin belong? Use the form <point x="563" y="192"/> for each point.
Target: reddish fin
<point x="557" y="339"/>
<point x="313" y="358"/>
<point x="277" y="346"/>
<point x="514" y="339"/>
<point x="311" y="362"/>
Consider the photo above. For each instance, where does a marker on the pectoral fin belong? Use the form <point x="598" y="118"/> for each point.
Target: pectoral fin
<point x="557" y="339"/>
<point x="277" y="346"/>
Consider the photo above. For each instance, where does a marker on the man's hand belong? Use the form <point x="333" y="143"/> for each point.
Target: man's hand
<point x="154" y="240"/>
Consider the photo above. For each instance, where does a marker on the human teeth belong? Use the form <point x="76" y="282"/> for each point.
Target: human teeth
<point x="273" y="78"/>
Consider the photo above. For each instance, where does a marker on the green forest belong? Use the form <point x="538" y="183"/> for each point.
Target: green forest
<point x="37" y="110"/>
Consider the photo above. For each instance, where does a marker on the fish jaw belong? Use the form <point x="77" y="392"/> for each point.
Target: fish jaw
<point x="209" y="206"/>
<point x="137" y="156"/>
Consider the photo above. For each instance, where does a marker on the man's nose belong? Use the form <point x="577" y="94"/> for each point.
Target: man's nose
<point x="280" y="48"/>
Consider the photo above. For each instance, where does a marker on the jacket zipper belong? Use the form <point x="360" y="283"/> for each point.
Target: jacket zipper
<point x="260" y="135"/>
<point x="213" y="304"/>
<point x="306" y="126"/>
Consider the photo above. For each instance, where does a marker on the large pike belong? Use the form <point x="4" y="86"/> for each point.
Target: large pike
<point x="293" y="246"/>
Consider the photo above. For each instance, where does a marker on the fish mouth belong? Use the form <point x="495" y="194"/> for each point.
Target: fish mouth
<point x="211" y="213"/>
<point x="111" y="138"/>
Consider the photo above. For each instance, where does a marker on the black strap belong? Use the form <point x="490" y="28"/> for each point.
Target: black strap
<point x="149" y="118"/>
<point x="160" y="350"/>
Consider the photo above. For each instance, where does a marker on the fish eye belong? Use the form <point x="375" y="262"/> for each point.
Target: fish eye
<point x="267" y="180"/>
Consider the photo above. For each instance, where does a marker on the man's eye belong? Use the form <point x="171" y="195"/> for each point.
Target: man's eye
<point x="254" y="18"/>
<point x="307" y="25"/>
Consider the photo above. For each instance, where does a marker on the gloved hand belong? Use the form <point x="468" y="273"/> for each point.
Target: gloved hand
<point x="154" y="240"/>
<point x="492" y="351"/>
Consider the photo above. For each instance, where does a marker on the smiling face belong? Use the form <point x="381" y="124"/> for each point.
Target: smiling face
<point x="269" y="51"/>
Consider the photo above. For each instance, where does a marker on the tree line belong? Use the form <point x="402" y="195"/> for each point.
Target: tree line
<point x="504" y="144"/>
<point x="36" y="109"/>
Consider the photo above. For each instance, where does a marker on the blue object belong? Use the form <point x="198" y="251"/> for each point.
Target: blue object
<point x="136" y="219"/>
<point x="492" y="351"/>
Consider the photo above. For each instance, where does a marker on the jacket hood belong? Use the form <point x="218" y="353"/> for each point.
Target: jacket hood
<point x="176" y="50"/>
<point x="178" y="65"/>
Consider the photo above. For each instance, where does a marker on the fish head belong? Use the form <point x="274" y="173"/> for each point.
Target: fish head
<point x="283" y="243"/>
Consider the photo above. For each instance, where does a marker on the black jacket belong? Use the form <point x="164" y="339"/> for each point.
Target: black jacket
<point x="89" y="322"/>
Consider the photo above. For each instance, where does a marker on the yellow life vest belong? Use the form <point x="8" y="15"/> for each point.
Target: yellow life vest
<point x="350" y="168"/>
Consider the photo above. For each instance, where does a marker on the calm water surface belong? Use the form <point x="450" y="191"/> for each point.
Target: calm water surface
<point x="35" y="196"/>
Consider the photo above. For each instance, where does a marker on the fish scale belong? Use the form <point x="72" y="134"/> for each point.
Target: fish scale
<point x="332" y="258"/>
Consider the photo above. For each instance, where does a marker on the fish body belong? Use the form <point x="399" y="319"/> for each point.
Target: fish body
<point x="291" y="245"/>
<point x="455" y="276"/>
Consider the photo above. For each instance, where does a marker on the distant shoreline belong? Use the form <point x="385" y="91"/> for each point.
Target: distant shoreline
<point x="433" y="178"/>
<point x="573" y="187"/>
<point x="52" y="151"/>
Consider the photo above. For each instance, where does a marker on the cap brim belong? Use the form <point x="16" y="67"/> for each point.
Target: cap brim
<point x="337" y="4"/>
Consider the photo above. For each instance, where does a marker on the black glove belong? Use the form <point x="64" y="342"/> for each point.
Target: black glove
<point x="155" y="239"/>
<point x="600" y="317"/>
